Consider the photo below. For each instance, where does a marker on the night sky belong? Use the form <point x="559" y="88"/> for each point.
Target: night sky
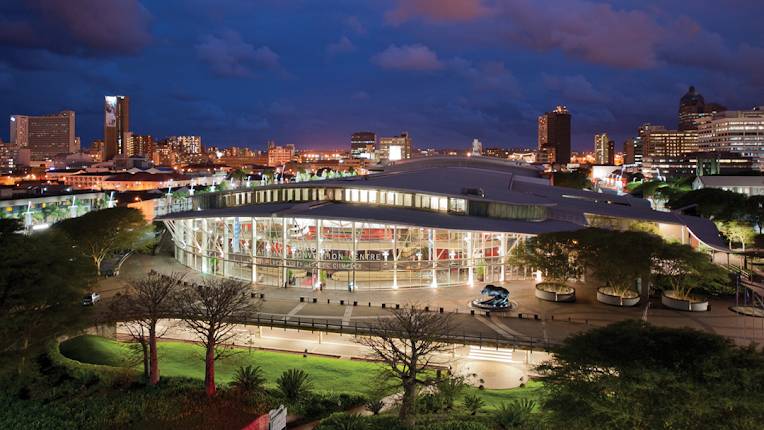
<point x="312" y="72"/>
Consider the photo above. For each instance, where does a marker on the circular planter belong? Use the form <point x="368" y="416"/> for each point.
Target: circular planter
<point x="553" y="292"/>
<point x="607" y="296"/>
<point x="694" y="304"/>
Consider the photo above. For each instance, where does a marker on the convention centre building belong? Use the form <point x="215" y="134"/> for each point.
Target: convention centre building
<point x="428" y="222"/>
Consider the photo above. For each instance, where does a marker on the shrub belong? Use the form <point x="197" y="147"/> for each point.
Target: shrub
<point x="473" y="403"/>
<point x="314" y="405"/>
<point x="375" y="405"/>
<point x="248" y="379"/>
<point x="514" y="414"/>
<point x="449" y="389"/>
<point x="340" y="421"/>
<point x="294" y="384"/>
<point x="430" y="403"/>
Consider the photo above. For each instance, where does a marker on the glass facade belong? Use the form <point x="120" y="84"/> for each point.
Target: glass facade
<point x="336" y="254"/>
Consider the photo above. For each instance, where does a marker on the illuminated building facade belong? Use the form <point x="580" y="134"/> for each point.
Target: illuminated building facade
<point x="430" y="222"/>
<point x="116" y="127"/>
<point x="554" y="136"/>
<point x="44" y="136"/>
<point x="394" y="148"/>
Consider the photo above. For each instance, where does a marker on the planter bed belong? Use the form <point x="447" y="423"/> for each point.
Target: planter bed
<point x="607" y="296"/>
<point x="694" y="304"/>
<point x="553" y="292"/>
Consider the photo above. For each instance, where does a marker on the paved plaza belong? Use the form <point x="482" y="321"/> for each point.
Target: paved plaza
<point x="546" y="322"/>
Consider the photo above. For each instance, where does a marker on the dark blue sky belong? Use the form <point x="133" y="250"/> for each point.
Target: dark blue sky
<point x="311" y="72"/>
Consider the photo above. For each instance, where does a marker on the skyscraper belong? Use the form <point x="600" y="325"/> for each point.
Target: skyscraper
<point x="362" y="144"/>
<point x="740" y="132"/>
<point x="659" y="142"/>
<point x="604" y="149"/>
<point x="693" y="107"/>
<point x="554" y="135"/>
<point x="44" y="136"/>
<point x="394" y="148"/>
<point x="632" y="151"/>
<point x="116" y="126"/>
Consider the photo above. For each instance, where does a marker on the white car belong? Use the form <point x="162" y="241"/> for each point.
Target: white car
<point x="91" y="299"/>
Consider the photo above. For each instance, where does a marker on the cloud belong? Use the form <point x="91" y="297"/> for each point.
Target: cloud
<point x="408" y="57"/>
<point x="342" y="46"/>
<point x="230" y="56"/>
<point x="573" y="88"/>
<point x="437" y="10"/>
<point x="487" y="75"/>
<point x="355" y="24"/>
<point x="81" y="28"/>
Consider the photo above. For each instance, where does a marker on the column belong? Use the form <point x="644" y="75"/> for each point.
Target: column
<point x="254" y="250"/>
<point x="284" y="243"/>
<point x="502" y="255"/>
<point x="433" y="259"/>
<point x="353" y="255"/>
<point x="317" y="257"/>
<point x="395" y="257"/>
<point x="470" y="260"/>
<point x="226" y="237"/>
<point x="203" y="247"/>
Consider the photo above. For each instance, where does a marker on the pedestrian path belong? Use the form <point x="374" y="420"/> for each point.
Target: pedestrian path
<point x="500" y="355"/>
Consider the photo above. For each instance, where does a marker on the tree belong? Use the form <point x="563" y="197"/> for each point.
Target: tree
<point x="294" y="384"/>
<point x="576" y="179"/>
<point x="248" y="379"/>
<point x="737" y="232"/>
<point x="210" y="310"/>
<point x="754" y="208"/>
<point x="42" y="281"/>
<point x="632" y="375"/>
<point x="407" y="344"/>
<point x="552" y="253"/>
<point x="145" y="302"/>
<point x="99" y="234"/>
<point x="683" y="269"/>
<point x="712" y="203"/>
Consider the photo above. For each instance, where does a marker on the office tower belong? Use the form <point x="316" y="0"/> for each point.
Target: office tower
<point x="554" y="136"/>
<point x="632" y="150"/>
<point x="116" y="126"/>
<point x="740" y="132"/>
<point x="44" y="136"/>
<point x="140" y="145"/>
<point x="186" y="145"/>
<point x="693" y="107"/>
<point x="6" y="157"/>
<point x="604" y="149"/>
<point x="659" y="142"/>
<point x="362" y="144"/>
<point x="394" y="148"/>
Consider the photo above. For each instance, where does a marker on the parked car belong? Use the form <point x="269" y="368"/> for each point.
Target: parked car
<point x="90" y="299"/>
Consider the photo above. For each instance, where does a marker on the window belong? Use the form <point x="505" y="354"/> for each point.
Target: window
<point x="364" y="196"/>
<point x="354" y="196"/>
<point x="372" y="196"/>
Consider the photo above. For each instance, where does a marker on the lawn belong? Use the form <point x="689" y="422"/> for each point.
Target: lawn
<point x="327" y="374"/>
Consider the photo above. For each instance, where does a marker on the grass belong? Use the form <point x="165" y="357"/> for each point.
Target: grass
<point x="327" y="374"/>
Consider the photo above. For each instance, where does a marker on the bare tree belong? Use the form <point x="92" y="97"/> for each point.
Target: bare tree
<point x="146" y="301"/>
<point x="210" y="311"/>
<point x="407" y="343"/>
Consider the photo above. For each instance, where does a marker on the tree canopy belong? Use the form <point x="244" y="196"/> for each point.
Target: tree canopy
<point x="632" y="375"/>
<point x="100" y="234"/>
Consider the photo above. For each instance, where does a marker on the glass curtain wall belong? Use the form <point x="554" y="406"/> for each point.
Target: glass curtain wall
<point x="335" y="254"/>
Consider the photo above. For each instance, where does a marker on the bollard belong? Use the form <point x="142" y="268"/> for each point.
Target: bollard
<point x="302" y="299"/>
<point x="440" y="310"/>
<point x="342" y="302"/>
<point x="427" y="309"/>
<point x="262" y="295"/>
<point x="535" y="316"/>
<point x="383" y="305"/>
<point x="315" y="300"/>
<point x="520" y="315"/>
<point x="397" y="306"/>
<point x="488" y="314"/>
<point x="369" y="304"/>
<point x="355" y="303"/>
<point x="472" y="312"/>
<point x="328" y="301"/>
<point x="252" y="295"/>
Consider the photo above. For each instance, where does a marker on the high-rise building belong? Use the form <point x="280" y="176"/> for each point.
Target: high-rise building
<point x="44" y="136"/>
<point x="604" y="149"/>
<point x="632" y="151"/>
<point x="140" y="145"/>
<point x="554" y="136"/>
<point x="6" y="157"/>
<point x="186" y="145"/>
<point x="362" y="144"/>
<point x="659" y="142"/>
<point x="394" y="148"/>
<point x="741" y="132"/>
<point x="116" y="126"/>
<point x="693" y="107"/>
<point x="477" y="147"/>
<point x="279" y="155"/>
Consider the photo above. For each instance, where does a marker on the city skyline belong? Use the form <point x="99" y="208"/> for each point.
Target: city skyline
<point x="446" y="74"/>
